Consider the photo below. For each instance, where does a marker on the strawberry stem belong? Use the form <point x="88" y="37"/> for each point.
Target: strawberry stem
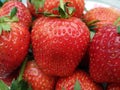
<point x="22" y="70"/>
<point x="77" y="85"/>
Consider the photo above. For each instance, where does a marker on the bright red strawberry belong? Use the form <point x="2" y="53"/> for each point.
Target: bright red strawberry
<point x="37" y="79"/>
<point x="86" y="83"/>
<point x="105" y="55"/>
<point x="59" y="44"/>
<point x="22" y="12"/>
<point x="14" y="44"/>
<point x="103" y="15"/>
<point x="49" y="5"/>
<point x="114" y="86"/>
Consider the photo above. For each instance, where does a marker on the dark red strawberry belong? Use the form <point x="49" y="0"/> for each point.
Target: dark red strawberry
<point x="41" y="6"/>
<point x="84" y="80"/>
<point x="103" y="15"/>
<point x="114" y="86"/>
<point x="105" y="55"/>
<point x="22" y="12"/>
<point x="14" y="43"/>
<point x="59" y="44"/>
<point x="8" y="80"/>
<point x="37" y="79"/>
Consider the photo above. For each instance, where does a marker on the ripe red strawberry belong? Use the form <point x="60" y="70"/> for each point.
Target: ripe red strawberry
<point x="14" y="44"/>
<point x="114" y="86"/>
<point x="86" y="83"/>
<point x="22" y="12"/>
<point x="59" y="44"/>
<point x="104" y="15"/>
<point x="105" y="55"/>
<point x="49" y="5"/>
<point x="37" y="79"/>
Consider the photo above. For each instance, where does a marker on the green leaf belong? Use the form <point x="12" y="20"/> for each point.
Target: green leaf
<point x="13" y="12"/>
<point x="77" y="85"/>
<point x="3" y="86"/>
<point x="118" y="29"/>
<point x="37" y="4"/>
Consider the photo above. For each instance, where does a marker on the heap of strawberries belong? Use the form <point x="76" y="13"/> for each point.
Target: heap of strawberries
<point x="53" y="45"/>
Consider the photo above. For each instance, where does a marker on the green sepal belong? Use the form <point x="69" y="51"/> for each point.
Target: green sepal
<point x="71" y="10"/>
<point x="93" y="22"/>
<point x="64" y="11"/>
<point x="5" y="27"/>
<point x="48" y="14"/>
<point x="118" y="29"/>
<point x="13" y="12"/>
<point x="37" y="4"/>
<point x="20" y="85"/>
<point x="92" y="34"/>
<point x="6" y="20"/>
<point x="63" y="14"/>
<point x="117" y="21"/>
<point x="77" y="85"/>
<point x="3" y="86"/>
<point x="63" y="88"/>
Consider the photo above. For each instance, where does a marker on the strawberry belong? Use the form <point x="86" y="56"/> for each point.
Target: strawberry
<point x="84" y="80"/>
<point x="37" y="79"/>
<point x="105" y="55"/>
<point x="59" y="44"/>
<point x="41" y="6"/>
<point x="103" y="15"/>
<point x="23" y="13"/>
<point x="9" y="78"/>
<point x="14" y="43"/>
<point x="114" y="86"/>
